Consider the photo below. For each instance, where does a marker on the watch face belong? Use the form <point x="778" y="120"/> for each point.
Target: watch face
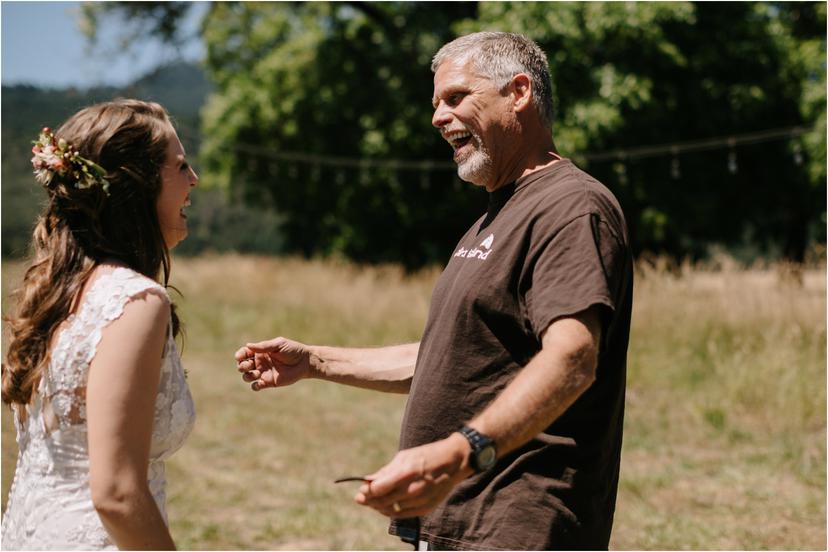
<point x="486" y="457"/>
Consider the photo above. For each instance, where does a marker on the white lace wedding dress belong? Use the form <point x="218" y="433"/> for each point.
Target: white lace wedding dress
<point x="50" y="506"/>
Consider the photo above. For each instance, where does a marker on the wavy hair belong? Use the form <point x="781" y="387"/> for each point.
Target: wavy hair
<point x="81" y="228"/>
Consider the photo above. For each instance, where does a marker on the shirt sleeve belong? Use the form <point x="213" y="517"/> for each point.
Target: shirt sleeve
<point x="580" y="266"/>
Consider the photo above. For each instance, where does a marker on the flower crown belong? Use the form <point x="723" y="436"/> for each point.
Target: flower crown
<point x="57" y="157"/>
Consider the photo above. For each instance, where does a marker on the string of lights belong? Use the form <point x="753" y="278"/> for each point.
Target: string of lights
<point x="722" y="142"/>
<point x="673" y="149"/>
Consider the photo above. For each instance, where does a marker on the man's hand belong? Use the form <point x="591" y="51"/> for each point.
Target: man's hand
<point x="418" y="479"/>
<point x="274" y="363"/>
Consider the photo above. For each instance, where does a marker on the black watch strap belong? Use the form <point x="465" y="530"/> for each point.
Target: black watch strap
<point x="483" y="453"/>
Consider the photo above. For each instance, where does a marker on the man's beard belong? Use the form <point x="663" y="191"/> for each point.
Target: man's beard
<point x="477" y="167"/>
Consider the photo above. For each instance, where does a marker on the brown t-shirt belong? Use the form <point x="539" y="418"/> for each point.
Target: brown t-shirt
<point x="552" y="244"/>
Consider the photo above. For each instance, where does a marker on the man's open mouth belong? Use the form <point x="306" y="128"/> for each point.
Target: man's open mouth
<point x="458" y="139"/>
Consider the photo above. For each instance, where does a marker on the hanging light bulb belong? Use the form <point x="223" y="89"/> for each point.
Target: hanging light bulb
<point x="732" y="163"/>
<point x="621" y="170"/>
<point x="675" y="167"/>
<point x="797" y="153"/>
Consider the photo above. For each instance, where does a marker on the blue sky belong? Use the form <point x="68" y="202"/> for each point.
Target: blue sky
<point x="41" y="44"/>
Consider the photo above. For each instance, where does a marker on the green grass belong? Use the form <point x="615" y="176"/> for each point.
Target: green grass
<point x="724" y="433"/>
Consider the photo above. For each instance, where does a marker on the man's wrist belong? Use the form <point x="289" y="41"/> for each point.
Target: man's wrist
<point x="316" y="363"/>
<point x="462" y="450"/>
<point x="482" y="454"/>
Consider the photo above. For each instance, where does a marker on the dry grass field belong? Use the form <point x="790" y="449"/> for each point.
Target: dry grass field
<point x="725" y="439"/>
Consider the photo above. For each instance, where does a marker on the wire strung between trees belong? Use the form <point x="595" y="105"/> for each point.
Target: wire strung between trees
<point x="678" y="148"/>
<point x="346" y="162"/>
<point x="673" y="149"/>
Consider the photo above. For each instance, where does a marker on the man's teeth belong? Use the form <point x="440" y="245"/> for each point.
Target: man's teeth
<point x="455" y="138"/>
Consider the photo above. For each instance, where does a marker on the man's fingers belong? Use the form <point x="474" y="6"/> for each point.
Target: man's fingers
<point x="407" y="508"/>
<point x="242" y="354"/>
<point x="246" y="365"/>
<point x="406" y="505"/>
<point x="365" y="488"/>
<point x="270" y="378"/>
<point x="264" y="381"/>
<point x="252" y="375"/>
<point x="395" y="478"/>
<point x="416" y="492"/>
<point x="267" y="346"/>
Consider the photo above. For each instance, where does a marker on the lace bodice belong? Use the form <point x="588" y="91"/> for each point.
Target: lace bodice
<point x="50" y="505"/>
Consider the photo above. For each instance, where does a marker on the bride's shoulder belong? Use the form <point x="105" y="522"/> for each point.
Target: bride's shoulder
<point x="112" y="287"/>
<point x="119" y="278"/>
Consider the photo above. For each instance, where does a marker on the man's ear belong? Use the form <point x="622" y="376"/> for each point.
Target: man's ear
<point x="521" y="90"/>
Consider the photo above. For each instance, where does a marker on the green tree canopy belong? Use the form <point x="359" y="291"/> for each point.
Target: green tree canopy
<point x="303" y="89"/>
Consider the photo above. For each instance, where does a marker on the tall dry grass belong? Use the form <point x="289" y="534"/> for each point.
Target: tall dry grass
<point x="725" y="428"/>
<point x="724" y="433"/>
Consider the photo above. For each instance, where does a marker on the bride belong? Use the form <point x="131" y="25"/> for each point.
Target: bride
<point x="92" y="371"/>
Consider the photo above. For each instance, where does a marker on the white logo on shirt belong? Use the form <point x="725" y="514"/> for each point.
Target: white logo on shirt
<point x="487" y="243"/>
<point x="476" y="253"/>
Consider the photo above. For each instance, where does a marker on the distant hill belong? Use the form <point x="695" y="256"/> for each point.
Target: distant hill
<point x="180" y="87"/>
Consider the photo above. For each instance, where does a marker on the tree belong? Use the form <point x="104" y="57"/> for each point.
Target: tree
<point x="351" y="80"/>
<point x="338" y="80"/>
<point x="655" y="73"/>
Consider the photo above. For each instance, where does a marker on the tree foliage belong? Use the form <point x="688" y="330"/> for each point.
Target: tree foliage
<point x="349" y="80"/>
<point x="654" y="73"/>
<point x="352" y="80"/>
<point x="137" y="20"/>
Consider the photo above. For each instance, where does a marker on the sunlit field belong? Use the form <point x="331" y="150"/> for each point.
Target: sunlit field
<point x="725" y="421"/>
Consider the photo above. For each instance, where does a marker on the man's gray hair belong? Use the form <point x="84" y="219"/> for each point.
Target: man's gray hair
<point x="499" y="56"/>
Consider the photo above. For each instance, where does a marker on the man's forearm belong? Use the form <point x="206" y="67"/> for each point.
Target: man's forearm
<point x="545" y="388"/>
<point x="387" y="369"/>
<point x="532" y="401"/>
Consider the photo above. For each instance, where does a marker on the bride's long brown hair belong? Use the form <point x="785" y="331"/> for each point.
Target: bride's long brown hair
<point x="80" y="228"/>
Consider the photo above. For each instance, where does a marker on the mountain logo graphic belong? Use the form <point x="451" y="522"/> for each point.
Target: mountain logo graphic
<point x="475" y="253"/>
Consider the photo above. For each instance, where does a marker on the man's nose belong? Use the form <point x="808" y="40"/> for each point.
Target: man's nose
<point x="442" y="116"/>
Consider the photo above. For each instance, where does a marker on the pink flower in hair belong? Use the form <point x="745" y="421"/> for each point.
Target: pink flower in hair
<point x="57" y="164"/>
<point x="53" y="157"/>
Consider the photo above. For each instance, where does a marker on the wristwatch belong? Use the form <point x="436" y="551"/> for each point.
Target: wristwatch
<point x="483" y="453"/>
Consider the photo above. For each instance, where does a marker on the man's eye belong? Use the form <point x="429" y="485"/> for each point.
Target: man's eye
<point x="185" y="166"/>
<point x="455" y="99"/>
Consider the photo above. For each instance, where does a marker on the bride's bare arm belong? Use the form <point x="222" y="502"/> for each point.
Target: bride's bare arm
<point x="120" y="405"/>
<point x="281" y="361"/>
